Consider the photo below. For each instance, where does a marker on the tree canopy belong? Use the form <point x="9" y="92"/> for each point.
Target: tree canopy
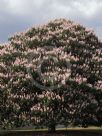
<point x="50" y="75"/>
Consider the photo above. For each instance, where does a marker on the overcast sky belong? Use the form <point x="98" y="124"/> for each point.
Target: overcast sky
<point x="18" y="15"/>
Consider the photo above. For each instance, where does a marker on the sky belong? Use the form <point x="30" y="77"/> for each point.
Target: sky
<point x="19" y="15"/>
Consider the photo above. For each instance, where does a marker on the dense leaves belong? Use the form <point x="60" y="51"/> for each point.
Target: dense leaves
<point x="76" y="97"/>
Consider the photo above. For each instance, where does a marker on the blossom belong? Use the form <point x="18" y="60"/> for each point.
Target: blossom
<point x="61" y="53"/>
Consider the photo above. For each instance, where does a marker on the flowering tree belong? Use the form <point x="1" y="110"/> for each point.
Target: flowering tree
<point x="50" y="75"/>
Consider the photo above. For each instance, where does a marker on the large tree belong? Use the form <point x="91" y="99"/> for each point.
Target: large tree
<point x="50" y="75"/>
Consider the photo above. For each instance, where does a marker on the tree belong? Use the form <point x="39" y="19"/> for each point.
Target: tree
<point x="51" y="75"/>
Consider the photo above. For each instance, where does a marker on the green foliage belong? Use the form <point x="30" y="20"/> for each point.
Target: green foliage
<point x="78" y="102"/>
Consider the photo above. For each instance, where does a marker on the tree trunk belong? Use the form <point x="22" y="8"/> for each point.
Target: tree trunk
<point x="51" y="128"/>
<point x="52" y="125"/>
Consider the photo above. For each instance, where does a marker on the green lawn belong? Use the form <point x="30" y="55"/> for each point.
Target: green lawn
<point x="74" y="130"/>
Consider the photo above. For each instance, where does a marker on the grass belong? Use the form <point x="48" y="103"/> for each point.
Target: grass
<point x="58" y="129"/>
<point x="72" y="131"/>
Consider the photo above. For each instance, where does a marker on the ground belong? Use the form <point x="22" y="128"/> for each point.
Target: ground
<point x="91" y="131"/>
